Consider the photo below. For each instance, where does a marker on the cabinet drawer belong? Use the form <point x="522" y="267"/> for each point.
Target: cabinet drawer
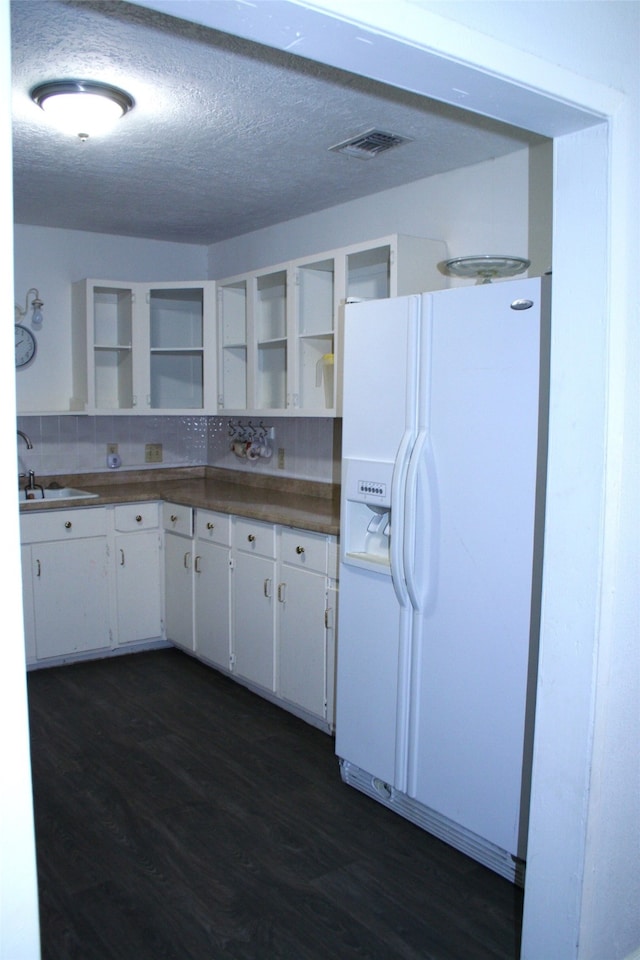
<point x="177" y="518"/>
<point x="213" y="526"/>
<point x="135" y="516"/>
<point x="303" y="549"/>
<point x="253" y="536"/>
<point x="63" y="524"/>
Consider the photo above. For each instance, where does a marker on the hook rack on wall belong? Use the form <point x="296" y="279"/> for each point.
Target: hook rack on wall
<point x="249" y="442"/>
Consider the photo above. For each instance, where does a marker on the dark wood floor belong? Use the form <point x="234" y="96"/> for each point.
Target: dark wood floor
<point x="180" y="816"/>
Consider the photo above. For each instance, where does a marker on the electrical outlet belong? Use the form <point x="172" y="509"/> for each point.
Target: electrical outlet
<point x="280" y="458"/>
<point x="112" y="448"/>
<point x="153" y="453"/>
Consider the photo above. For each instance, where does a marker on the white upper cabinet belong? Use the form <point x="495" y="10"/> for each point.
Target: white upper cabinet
<point x="279" y="329"/>
<point x="144" y="348"/>
<point x="313" y="341"/>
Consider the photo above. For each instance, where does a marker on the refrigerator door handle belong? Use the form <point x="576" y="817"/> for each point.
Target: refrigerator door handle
<point x="396" y="539"/>
<point x="419" y="516"/>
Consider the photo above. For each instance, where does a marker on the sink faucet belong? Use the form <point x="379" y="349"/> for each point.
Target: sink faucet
<point x="26" y="439"/>
<point x="32" y="486"/>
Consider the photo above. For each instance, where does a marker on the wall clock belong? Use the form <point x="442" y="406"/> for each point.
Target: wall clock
<point x="25" y="346"/>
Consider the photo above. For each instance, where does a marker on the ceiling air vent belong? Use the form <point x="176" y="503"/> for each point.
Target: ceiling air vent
<point x="369" y="144"/>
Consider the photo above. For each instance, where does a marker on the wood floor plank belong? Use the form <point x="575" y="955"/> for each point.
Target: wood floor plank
<point x="180" y="816"/>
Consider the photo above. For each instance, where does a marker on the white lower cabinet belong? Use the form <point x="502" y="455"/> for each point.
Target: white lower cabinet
<point x="305" y="623"/>
<point x="212" y="583"/>
<point x="177" y="521"/>
<point x="254" y="599"/>
<point x="138" y="572"/>
<point x="302" y="599"/>
<point x="27" y="605"/>
<point x="66" y="573"/>
<point x="253" y="634"/>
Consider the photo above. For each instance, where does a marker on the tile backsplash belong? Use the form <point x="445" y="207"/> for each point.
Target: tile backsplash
<point x="78" y="444"/>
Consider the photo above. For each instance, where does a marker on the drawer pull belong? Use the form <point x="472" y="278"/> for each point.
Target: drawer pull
<point x="121" y="557"/>
<point x="267" y="588"/>
<point x="187" y="560"/>
<point x="67" y="525"/>
<point x="299" y="550"/>
<point x="173" y="518"/>
<point x="210" y="525"/>
<point x="138" y="519"/>
<point x="251" y="538"/>
<point x="39" y="568"/>
<point x="282" y="587"/>
<point x="196" y="564"/>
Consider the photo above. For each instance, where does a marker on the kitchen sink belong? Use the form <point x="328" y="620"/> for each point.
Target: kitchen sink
<point x="61" y="493"/>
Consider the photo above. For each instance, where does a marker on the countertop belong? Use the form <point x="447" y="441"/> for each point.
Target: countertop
<point x="296" y="503"/>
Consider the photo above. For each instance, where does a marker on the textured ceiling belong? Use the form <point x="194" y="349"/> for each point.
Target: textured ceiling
<point x="226" y="136"/>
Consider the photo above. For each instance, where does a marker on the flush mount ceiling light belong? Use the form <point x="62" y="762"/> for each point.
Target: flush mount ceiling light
<point x="82" y="107"/>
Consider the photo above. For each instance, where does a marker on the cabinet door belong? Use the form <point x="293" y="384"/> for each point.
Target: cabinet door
<point x="138" y="586"/>
<point x="253" y="342"/>
<point x="302" y="610"/>
<point x="253" y="580"/>
<point x="71" y="596"/>
<point x="313" y="345"/>
<point x="180" y="319"/>
<point x="232" y="345"/>
<point x="393" y="266"/>
<point x="212" y="603"/>
<point x="178" y="561"/>
<point x="271" y="387"/>
<point x="140" y="347"/>
<point x="102" y="342"/>
<point x="27" y="605"/>
<point x="331" y="620"/>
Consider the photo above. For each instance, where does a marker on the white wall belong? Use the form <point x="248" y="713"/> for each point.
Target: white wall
<point x="76" y="443"/>
<point x="72" y="444"/>
<point x="592" y="40"/>
<point x="482" y="208"/>
<point x="584" y="885"/>
<point x="51" y="260"/>
<point x="478" y="209"/>
<point x="19" y="933"/>
<point x="312" y="448"/>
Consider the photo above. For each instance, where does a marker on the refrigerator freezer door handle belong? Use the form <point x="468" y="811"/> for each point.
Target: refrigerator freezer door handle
<point x="396" y="540"/>
<point x="418" y="513"/>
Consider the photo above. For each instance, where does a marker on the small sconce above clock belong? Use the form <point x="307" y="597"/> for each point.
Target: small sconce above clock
<point x="26" y="345"/>
<point x="36" y="304"/>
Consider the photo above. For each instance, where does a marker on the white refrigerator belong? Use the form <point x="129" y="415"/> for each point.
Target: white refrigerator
<point x="444" y="459"/>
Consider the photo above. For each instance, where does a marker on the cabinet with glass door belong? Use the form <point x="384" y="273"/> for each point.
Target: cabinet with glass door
<point x="141" y="348"/>
<point x="314" y="336"/>
<point x="270" y="341"/>
<point x="253" y="361"/>
<point x="279" y="329"/>
<point x="233" y="308"/>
